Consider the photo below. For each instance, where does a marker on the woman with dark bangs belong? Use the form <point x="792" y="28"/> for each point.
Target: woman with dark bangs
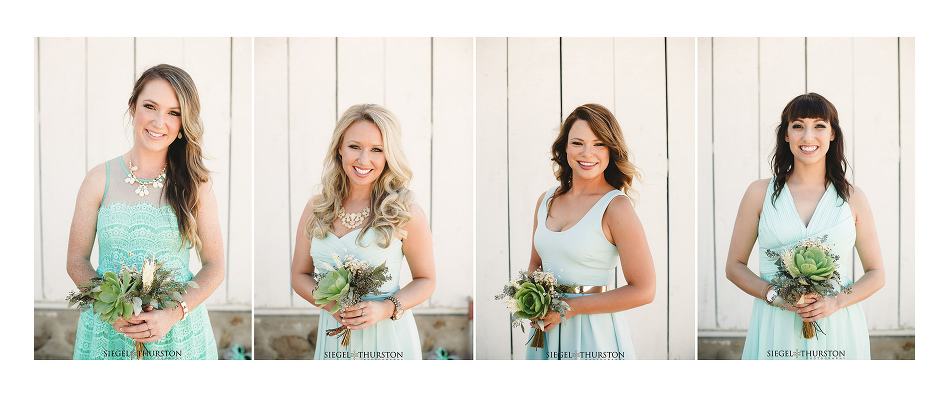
<point x="808" y="197"/>
<point x="580" y="229"/>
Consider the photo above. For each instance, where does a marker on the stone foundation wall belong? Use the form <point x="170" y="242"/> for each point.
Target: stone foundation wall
<point x="293" y="337"/>
<point x="880" y="348"/>
<point x="54" y="332"/>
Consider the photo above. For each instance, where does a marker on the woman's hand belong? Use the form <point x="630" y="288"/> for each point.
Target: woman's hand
<point x="821" y="308"/>
<point x="551" y="320"/>
<point x="366" y="314"/>
<point x="122" y="323"/>
<point x="151" y="325"/>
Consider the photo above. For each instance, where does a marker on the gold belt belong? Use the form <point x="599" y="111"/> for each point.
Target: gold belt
<point x="587" y="289"/>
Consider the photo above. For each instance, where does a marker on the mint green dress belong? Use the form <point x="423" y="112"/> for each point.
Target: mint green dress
<point x="776" y="334"/>
<point x="129" y="229"/>
<point x="386" y="340"/>
<point x="582" y="255"/>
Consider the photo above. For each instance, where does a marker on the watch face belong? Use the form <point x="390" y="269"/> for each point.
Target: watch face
<point x="771" y="295"/>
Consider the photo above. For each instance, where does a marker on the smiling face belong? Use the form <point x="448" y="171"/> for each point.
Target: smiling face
<point x="361" y="150"/>
<point x="587" y="155"/>
<point x="156" y="116"/>
<point x="809" y="139"/>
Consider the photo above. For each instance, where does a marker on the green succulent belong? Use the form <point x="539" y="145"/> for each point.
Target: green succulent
<point x="810" y="264"/>
<point x="113" y="297"/>
<point x="534" y="302"/>
<point x="333" y="287"/>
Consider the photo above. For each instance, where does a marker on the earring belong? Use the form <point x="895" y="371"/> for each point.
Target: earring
<point x="179" y="135"/>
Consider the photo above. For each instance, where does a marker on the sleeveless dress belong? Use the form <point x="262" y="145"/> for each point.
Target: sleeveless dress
<point x="774" y="333"/>
<point x="129" y="229"/>
<point x="386" y="340"/>
<point x="581" y="255"/>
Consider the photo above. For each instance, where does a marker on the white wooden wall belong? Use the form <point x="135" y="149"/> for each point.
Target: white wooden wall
<point x="525" y="87"/>
<point x="81" y="95"/>
<point x="303" y="84"/>
<point x="743" y="85"/>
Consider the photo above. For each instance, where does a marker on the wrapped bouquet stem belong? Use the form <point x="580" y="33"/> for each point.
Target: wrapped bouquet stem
<point x="127" y="293"/>
<point x="347" y="284"/>
<point x="810" y="267"/>
<point x="531" y="297"/>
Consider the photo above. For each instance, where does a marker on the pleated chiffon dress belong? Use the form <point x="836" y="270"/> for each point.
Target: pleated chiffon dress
<point x="774" y="333"/>
<point x="386" y="340"/>
<point x="582" y="255"/>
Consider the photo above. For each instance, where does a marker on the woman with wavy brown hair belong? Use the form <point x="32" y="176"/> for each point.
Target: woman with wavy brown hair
<point x="808" y="197"/>
<point x="581" y="228"/>
<point x="366" y="210"/>
<point x="155" y="201"/>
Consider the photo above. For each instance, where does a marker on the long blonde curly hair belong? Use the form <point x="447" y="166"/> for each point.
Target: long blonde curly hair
<point x="391" y="200"/>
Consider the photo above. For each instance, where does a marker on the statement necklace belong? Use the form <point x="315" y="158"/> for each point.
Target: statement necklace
<point x="352" y="220"/>
<point x="142" y="189"/>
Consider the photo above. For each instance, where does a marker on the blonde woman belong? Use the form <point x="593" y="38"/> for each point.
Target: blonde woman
<point x="366" y="210"/>
<point x="153" y="202"/>
<point x="581" y="228"/>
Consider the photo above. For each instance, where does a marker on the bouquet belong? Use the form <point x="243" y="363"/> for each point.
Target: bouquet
<point x="808" y="268"/>
<point x="531" y="297"/>
<point x="346" y="284"/>
<point x="123" y="295"/>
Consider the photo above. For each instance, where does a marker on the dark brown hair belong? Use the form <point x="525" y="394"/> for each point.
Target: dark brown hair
<point x="810" y="106"/>
<point x="619" y="173"/>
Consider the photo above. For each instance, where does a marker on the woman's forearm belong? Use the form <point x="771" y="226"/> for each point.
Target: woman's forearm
<point x="208" y="279"/>
<point x="304" y="284"/>
<point x="415" y="292"/>
<point x="617" y="300"/>
<point x="80" y="270"/>
<point x="868" y="284"/>
<point x="745" y="279"/>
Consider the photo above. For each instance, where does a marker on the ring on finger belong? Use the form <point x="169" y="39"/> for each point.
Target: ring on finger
<point x="363" y="312"/>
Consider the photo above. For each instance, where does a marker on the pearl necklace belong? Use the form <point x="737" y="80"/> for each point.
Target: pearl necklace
<point x="352" y="220"/>
<point x="142" y="189"/>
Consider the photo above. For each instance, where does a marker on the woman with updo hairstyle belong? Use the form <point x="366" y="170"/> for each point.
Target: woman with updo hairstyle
<point x="581" y="229"/>
<point x="807" y="198"/>
<point x="366" y="210"/>
<point x="155" y="201"/>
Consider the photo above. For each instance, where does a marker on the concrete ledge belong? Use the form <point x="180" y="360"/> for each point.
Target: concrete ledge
<point x="54" y="332"/>
<point x="284" y="334"/>
<point x="725" y="345"/>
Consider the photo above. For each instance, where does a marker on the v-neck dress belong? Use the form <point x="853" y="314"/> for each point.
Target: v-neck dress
<point x="582" y="255"/>
<point x="776" y="334"/>
<point x="386" y="340"/>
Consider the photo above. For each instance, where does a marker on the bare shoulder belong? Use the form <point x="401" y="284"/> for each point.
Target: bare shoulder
<point x="93" y="186"/>
<point x="416" y="211"/>
<point x="758" y="188"/>
<point x="621" y="207"/>
<point x="858" y="201"/>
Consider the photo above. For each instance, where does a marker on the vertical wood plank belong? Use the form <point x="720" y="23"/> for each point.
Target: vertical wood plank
<point x="110" y="82"/>
<point x="735" y="133"/>
<point x="407" y="77"/>
<point x="681" y="197"/>
<point x="533" y="119"/>
<point x="906" y="263"/>
<point x="62" y="144"/>
<point x="875" y="129"/>
<point x="641" y="111"/>
<point x="493" y="335"/>
<point x="208" y="62"/>
<point x="271" y="209"/>
<point x="704" y="173"/>
<point x="452" y="169"/>
<point x="312" y="118"/>
<point x="239" y="233"/>
<point x="589" y="73"/>
<point x="37" y="193"/>
<point x="782" y="77"/>
<point x="361" y="72"/>
<point x="151" y="51"/>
